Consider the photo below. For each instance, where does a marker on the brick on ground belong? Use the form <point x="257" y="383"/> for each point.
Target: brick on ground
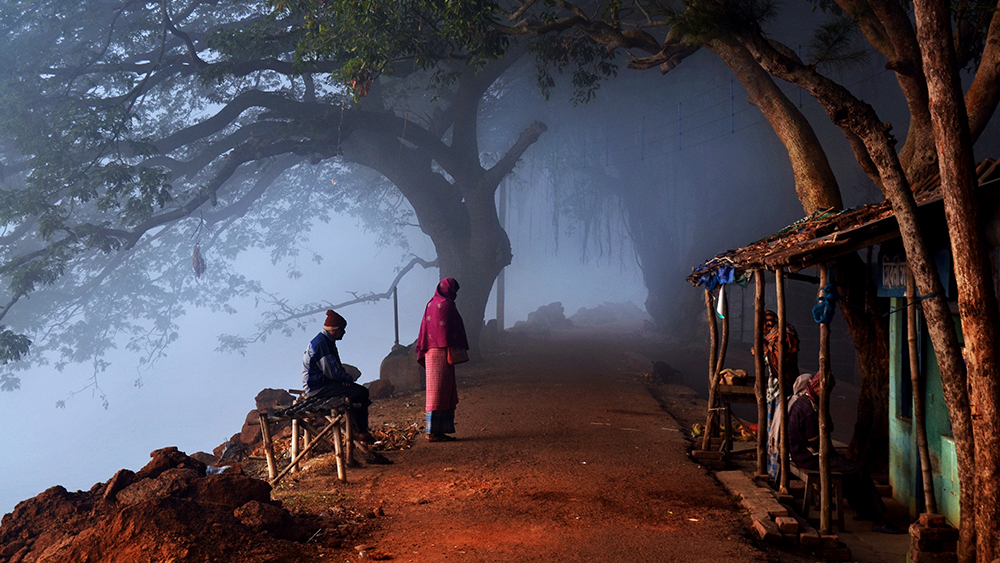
<point x="767" y="530"/>
<point x="808" y="536"/>
<point x="928" y="520"/>
<point x="787" y="525"/>
<point x="829" y="541"/>
<point x="923" y="533"/>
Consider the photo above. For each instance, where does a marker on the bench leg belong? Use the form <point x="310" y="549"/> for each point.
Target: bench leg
<point x="295" y="443"/>
<point x="840" y="504"/>
<point x="339" y="448"/>
<point x="265" y="431"/>
<point x="807" y="496"/>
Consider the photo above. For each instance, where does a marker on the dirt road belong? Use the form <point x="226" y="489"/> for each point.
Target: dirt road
<point x="563" y="455"/>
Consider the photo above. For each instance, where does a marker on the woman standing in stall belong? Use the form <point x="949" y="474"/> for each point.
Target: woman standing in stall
<point x="440" y="345"/>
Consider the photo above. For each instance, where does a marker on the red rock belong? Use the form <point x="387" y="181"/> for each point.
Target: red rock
<point x="380" y="389"/>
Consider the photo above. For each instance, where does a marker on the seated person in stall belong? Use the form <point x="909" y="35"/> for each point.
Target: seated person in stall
<point x="323" y="375"/>
<point x="803" y="445"/>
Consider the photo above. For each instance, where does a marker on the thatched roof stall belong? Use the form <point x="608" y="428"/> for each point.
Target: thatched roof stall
<point x="808" y="243"/>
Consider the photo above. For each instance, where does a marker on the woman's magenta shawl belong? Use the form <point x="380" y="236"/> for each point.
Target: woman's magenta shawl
<point x="441" y="326"/>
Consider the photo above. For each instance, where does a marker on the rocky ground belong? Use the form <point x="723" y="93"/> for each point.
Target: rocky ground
<point x="564" y="453"/>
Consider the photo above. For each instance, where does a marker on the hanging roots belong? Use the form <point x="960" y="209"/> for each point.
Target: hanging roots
<point x="197" y="262"/>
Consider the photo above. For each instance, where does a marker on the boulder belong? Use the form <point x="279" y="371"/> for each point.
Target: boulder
<point x="264" y="517"/>
<point x="380" y="389"/>
<point x="270" y="400"/>
<point x="400" y="368"/>
<point x="551" y="316"/>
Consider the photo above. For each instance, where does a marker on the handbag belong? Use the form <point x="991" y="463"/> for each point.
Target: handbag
<point x="457" y="355"/>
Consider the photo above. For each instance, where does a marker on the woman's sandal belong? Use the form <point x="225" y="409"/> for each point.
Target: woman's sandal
<point x="440" y="438"/>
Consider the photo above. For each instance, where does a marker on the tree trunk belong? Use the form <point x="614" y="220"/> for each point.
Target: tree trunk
<point x="976" y="300"/>
<point x="870" y="332"/>
<point x="815" y="184"/>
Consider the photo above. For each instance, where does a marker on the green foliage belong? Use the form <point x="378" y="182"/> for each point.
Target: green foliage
<point x="368" y="36"/>
<point x="838" y="44"/>
<point x="590" y="64"/>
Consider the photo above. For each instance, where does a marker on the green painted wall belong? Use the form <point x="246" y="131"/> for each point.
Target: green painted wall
<point x="904" y="469"/>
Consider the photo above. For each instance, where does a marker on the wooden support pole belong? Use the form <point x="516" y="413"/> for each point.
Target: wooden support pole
<point x="349" y="434"/>
<point x="395" y="313"/>
<point x="713" y="333"/>
<point x="339" y="449"/>
<point x="502" y="276"/>
<point x="720" y="362"/>
<point x="724" y="343"/>
<point x="295" y="443"/>
<point x="825" y="446"/>
<point x="761" y="382"/>
<point x="265" y="432"/>
<point x="919" y="411"/>
<point x="779" y="289"/>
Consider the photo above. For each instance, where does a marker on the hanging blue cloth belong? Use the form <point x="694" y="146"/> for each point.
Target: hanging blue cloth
<point x="721" y="275"/>
<point x="824" y="308"/>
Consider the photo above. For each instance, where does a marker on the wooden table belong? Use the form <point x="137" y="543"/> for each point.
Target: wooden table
<point x="728" y="394"/>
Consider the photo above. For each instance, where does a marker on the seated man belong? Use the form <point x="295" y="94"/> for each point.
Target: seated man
<point x="803" y="445"/>
<point x="324" y="376"/>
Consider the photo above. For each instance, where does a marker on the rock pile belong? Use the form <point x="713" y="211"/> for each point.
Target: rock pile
<point x="174" y="509"/>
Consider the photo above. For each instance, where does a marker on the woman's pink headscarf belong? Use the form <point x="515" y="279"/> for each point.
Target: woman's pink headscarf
<point x="441" y="326"/>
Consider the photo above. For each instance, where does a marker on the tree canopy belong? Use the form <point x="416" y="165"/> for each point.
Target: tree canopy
<point x="145" y="145"/>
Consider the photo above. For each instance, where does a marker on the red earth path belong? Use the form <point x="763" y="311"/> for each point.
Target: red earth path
<point x="563" y="454"/>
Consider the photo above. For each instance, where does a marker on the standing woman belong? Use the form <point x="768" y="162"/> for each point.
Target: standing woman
<point x="441" y="344"/>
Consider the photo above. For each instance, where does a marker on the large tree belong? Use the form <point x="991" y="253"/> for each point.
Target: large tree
<point x="133" y="134"/>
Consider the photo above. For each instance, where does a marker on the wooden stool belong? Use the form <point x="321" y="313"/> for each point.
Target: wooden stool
<point x="334" y="411"/>
<point x="811" y="478"/>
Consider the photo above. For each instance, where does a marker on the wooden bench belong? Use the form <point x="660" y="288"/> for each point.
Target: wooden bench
<point x="332" y="411"/>
<point x="811" y="478"/>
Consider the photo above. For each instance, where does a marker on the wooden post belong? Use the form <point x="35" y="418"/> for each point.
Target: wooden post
<point x="825" y="447"/>
<point x="502" y="277"/>
<point x="713" y="333"/>
<point x="339" y="448"/>
<point x="265" y="432"/>
<point x="295" y="443"/>
<point x="724" y="344"/>
<point x="779" y="289"/>
<point x="719" y="364"/>
<point x="395" y="312"/>
<point x="307" y="436"/>
<point x="919" y="412"/>
<point x="758" y="361"/>
<point x="348" y="435"/>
